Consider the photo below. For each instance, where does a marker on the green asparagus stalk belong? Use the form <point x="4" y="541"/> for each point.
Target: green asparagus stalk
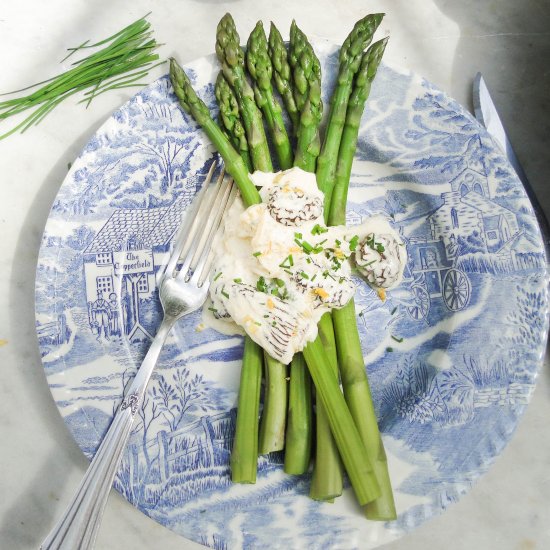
<point x="327" y="472"/>
<point x="365" y="75"/>
<point x="299" y="431"/>
<point x="273" y="421"/>
<point x="306" y="71"/>
<point x="192" y="104"/>
<point x="351" y="448"/>
<point x="350" y="56"/>
<point x="244" y="454"/>
<point x="306" y="74"/>
<point x="231" y="119"/>
<point x="261" y="70"/>
<point x="282" y="74"/>
<point x="350" y="356"/>
<point x="359" y="399"/>
<point x="231" y="57"/>
<point x="326" y="482"/>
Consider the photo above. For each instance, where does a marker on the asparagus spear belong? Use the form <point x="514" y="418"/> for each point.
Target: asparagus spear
<point x="327" y="474"/>
<point x="260" y="69"/>
<point x="363" y="80"/>
<point x="192" y="104"/>
<point x="244" y="455"/>
<point x="306" y="74"/>
<point x="327" y="482"/>
<point x="273" y="421"/>
<point x="350" y="356"/>
<point x="351" y="448"/>
<point x="231" y="57"/>
<point x="299" y="429"/>
<point x="231" y="119"/>
<point x="350" y="56"/>
<point x="282" y="74"/>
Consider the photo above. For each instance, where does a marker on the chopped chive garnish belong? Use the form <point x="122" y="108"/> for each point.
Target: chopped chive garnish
<point x="397" y="339"/>
<point x="317" y="249"/>
<point x="322" y="242"/>
<point x="379" y="247"/>
<point x="274" y="323"/>
<point x="304" y="275"/>
<point x="389" y="350"/>
<point x="317" y="229"/>
<point x="218" y="276"/>
<point x="279" y="282"/>
<point x="308" y="260"/>
<point x="257" y="254"/>
<point x="261" y="285"/>
<point x="237" y="280"/>
<point x="307" y="247"/>
<point x="288" y="259"/>
<point x="256" y="323"/>
<point x="370" y="263"/>
<point x="288" y="271"/>
<point x="266" y="316"/>
<point x="353" y="243"/>
<point x="338" y="242"/>
<point x="298" y="235"/>
<point x="225" y="294"/>
<point x="212" y="309"/>
<point x="393" y="310"/>
<point x="314" y="277"/>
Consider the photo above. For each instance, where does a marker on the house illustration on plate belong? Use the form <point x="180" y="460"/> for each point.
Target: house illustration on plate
<point x="469" y="213"/>
<point x="121" y="263"/>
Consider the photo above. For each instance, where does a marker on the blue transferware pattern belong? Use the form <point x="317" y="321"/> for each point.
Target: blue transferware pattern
<point x="476" y="274"/>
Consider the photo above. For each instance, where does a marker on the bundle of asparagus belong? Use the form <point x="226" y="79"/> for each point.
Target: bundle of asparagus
<point x="346" y="427"/>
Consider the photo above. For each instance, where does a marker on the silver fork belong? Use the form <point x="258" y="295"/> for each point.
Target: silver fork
<point x="183" y="288"/>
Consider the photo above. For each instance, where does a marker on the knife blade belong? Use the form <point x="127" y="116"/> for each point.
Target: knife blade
<point x="487" y="115"/>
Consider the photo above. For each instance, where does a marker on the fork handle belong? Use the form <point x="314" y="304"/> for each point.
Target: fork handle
<point x="77" y="528"/>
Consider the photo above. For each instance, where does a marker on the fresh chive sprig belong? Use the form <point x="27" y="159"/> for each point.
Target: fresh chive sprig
<point x="124" y="59"/>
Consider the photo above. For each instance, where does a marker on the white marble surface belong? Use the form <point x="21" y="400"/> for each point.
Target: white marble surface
<point x="447" y="41"/>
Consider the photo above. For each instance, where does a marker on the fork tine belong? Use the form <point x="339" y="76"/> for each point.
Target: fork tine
<point x="187" y="229"/>
<point x="199" y="267"/>
<point x="204" y="269"/>
<point x="203" y="223"/>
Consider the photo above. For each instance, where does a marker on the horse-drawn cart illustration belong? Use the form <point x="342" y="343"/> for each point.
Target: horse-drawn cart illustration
<point x="429" y="274"/>
<point x="432" y="275"/>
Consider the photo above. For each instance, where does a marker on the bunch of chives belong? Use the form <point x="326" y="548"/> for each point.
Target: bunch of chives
<point x="122" y="60"/>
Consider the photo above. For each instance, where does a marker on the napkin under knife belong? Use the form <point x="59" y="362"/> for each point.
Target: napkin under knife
<point x="487" y="115"/>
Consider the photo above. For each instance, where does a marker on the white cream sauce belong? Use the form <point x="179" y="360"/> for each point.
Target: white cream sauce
<point x="278" y="268"/>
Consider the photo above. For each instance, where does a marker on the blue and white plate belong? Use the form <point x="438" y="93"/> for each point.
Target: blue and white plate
<point x="447" y="401"/>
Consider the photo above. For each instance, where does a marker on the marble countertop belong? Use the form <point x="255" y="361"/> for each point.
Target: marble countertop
<point x="444" y="40"/>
